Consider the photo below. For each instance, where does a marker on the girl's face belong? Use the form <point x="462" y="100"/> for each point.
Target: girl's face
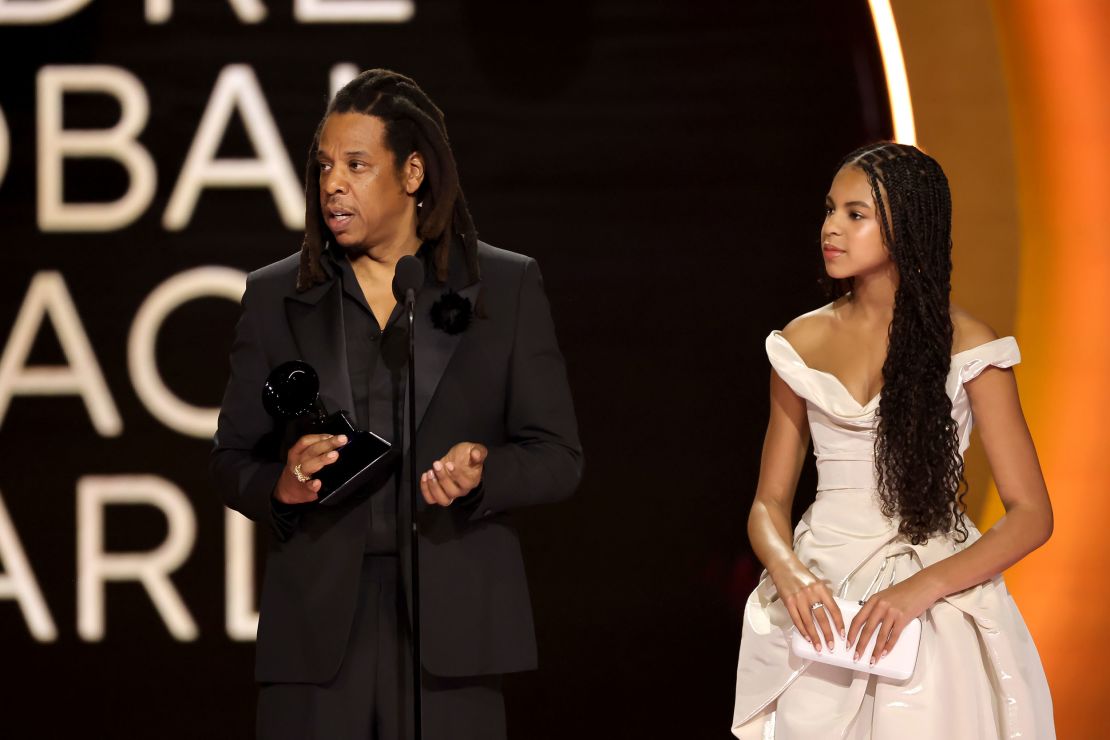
<point x="851" y="237"/>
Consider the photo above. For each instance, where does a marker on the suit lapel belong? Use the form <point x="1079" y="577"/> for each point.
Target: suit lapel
<point x="316" y="321"/>
<point x="434" y="347"/>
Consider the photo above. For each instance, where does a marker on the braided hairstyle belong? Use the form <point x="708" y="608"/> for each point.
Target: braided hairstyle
<point x="413" y="123"/>
<point x="919" y="467"/>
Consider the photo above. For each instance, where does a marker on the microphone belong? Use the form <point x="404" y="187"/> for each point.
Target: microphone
<point x="408" y="277"/>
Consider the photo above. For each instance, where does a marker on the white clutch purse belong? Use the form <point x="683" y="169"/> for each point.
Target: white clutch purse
<point x="898" y="663"/>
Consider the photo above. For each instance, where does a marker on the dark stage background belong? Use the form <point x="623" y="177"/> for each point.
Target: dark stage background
<point x="665" y="162"/>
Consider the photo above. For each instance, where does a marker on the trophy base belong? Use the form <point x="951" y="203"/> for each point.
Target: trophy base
<point x="359" y="461"/>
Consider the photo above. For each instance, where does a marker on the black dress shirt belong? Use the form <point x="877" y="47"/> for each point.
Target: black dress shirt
<point x="377" y="362"/>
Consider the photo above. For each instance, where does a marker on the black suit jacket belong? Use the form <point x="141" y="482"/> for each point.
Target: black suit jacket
<point x="502" y="383"/>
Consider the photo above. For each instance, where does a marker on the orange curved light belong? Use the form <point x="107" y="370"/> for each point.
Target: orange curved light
<point x="1059" y="74"/>
<point x="894" y="68"/>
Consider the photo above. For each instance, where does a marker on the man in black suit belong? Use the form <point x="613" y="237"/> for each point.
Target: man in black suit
<point x="495" y="431"/>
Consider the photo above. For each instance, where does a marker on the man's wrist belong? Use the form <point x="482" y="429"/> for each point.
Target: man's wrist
<point x="473" y="496"/>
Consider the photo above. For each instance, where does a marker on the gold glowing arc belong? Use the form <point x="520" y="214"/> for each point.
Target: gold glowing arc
<point x="894" y="68"/>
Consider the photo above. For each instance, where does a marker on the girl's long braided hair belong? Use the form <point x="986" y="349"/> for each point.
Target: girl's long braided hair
<point x="920" y="471"/>
<point x="413" y="123"/>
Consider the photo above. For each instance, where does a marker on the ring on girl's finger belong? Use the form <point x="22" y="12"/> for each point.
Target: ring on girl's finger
<point x="301" y="477"/>
<point x="815" y="606"/>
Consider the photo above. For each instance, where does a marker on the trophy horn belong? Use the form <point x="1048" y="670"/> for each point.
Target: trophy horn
<point x="292" y="389"/>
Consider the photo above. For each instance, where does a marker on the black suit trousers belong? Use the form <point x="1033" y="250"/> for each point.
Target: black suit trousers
<point x="371" y="696"/>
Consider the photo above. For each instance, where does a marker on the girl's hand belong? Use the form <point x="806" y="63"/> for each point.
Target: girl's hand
<point x="799" y="589"/>
<point x="888" y="612"/>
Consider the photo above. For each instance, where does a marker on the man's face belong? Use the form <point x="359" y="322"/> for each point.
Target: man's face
<point x="365" y="200"/>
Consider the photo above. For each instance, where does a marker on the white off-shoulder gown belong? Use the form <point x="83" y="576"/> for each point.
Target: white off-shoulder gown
<point x="978" y="675"/>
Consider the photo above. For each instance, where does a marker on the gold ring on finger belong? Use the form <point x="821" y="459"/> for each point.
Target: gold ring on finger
<point x="301" y="477"/>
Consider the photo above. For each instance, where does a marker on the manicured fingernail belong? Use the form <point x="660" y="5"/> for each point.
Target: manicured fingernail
<point x="432" y="475"/>
<point x="872" y="660"/>
<point x="437" y="465"/>
<point x="856" y="657"/>
<point x="884" y="653"/>
<point x="830" y="644"/>
<point x="342" y="439"/>
<point x="843" y="635"/>
<point x="450" y="467"/>
<point x="333" y="454"/>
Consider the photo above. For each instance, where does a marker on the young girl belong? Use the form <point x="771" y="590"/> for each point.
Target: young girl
<point x="887" y="379"/>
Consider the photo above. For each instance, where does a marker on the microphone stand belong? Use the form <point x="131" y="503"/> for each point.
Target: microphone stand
<point x="414" y="535"/>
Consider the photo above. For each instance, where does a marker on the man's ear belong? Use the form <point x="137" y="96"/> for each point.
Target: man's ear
<point x="413" y="175"/>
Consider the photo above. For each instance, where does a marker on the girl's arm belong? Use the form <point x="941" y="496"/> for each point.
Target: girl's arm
<point x="769" y="526"/>
<point x="1026" y="525"/>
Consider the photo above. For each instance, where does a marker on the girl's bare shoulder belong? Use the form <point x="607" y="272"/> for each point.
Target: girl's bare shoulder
<point x="968" y="331"/>
<point x="806" y="332"/>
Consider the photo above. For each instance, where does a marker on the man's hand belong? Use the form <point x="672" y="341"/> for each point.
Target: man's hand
<point x="455" y="474"/>
<point x="311" y="453"/>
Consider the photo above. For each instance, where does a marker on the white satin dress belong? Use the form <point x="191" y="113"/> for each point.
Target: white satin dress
<point x="978" y="675"/>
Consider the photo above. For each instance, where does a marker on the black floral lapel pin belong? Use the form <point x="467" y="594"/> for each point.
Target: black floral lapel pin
<point x="452" y="313"/>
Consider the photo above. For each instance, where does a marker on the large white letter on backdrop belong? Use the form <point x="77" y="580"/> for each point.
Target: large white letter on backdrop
<point x="249" y="11"/>
<point x="27" y="12"/>
<point x="241" y="618"/>
<point x="353" y="11"/>
<point x="47" y="296"/>
<point x="18" y="581"/>
<point x="200" y="282"/>
<point x="340" y="75"/>
<point x="95" y="567"/>
<point x="55" y="144"/>
<point x="4" y="146"/>
<point x="237" y="89"/>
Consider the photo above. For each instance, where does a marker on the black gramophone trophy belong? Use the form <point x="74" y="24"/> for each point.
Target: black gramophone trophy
<point x="292" y="393"/>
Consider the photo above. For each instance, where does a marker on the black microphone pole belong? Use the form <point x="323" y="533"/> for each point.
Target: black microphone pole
<point x="407" y="279"/>
<point x="414" y="539"/>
